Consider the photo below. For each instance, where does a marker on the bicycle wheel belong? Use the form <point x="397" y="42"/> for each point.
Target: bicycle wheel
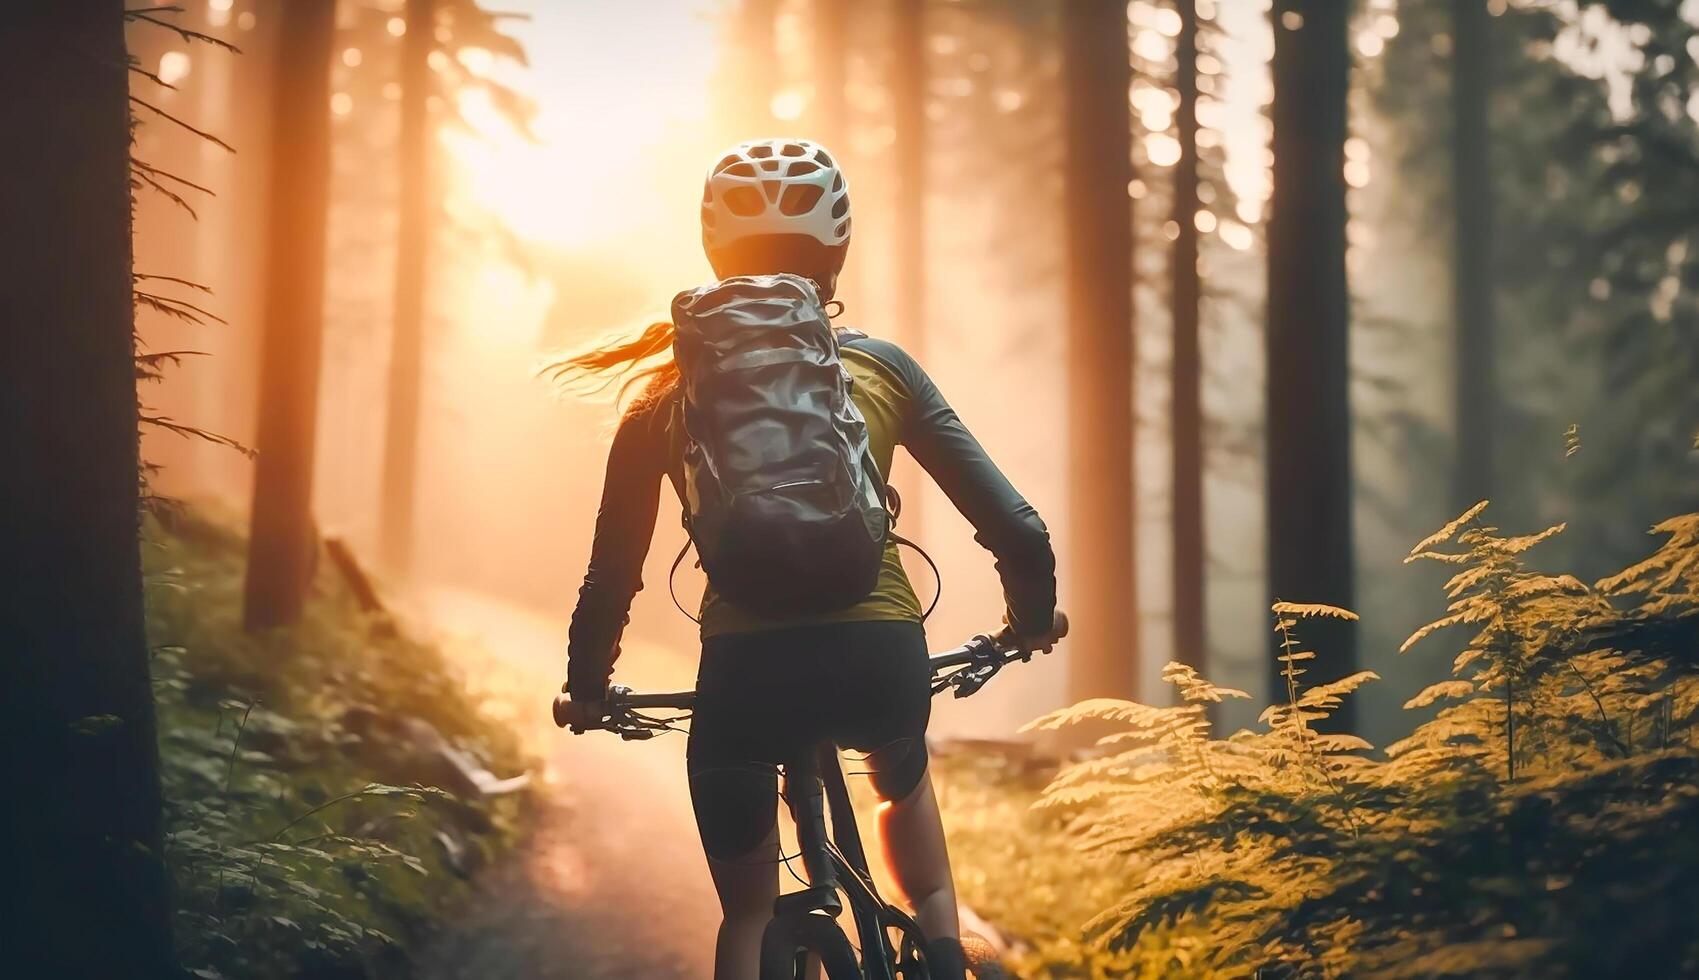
<point x="981" y="959"/>
<point x="977" y="955"/>
<point x="788" y="937"/>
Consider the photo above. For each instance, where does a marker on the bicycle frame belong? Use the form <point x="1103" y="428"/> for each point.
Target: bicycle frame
<point x="834" y="860"/>
<point x="874" y="918"/>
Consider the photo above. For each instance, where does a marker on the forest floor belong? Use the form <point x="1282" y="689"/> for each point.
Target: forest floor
<point x="610" y="882"/>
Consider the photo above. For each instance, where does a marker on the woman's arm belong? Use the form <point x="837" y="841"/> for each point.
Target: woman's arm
<point x="624" y="526"/>
<point x="1003" y="522"/>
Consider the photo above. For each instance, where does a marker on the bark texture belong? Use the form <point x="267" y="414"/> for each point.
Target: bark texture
<point x="1102" y="588"/>
<point x="1309" y="408"/>
<point x="1476" y="408"/>
<point x="283" y="543"/>
<point x="417" y="215"/>
<point x="83" y="862"/>
<point x="1186" y="421"/>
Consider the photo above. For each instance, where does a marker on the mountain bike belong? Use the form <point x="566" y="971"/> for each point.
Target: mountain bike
<point x="835" y="870"/>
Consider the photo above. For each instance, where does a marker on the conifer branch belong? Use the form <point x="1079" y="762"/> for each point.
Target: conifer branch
<point x="150" y="169"/>
<point x="177" y="308"/>
<point x="203" y="134"/>
<point x="198" y="287"/>
<point x="191" y="431"/>
<point x="150" y="76"/>
<point x="187" y="34"/>
<point x="142" y="177"/>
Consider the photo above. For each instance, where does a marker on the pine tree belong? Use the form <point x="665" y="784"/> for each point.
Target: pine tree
<point x="1098" y="170"/>
<point x="757" y="67"/>
<point x="283" y="544"/>
<point x="909" y="164"/>
<point x="831" y="72"/>
<point x="1472" y="283"/>
<point x="413" y="248"/>
<point x="1186" y="371"/>
<point x="83" y="863"/>
<point x="1309" y="410"/>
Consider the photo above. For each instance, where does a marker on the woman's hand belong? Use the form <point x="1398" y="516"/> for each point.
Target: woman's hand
<point x="578" y="714"/>
<point x="1040" y="643"/>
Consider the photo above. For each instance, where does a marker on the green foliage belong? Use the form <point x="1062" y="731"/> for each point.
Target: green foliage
<point x="1545" y="823"/>
<point x="303" y="832"/>
<point x="1595" y="161"/>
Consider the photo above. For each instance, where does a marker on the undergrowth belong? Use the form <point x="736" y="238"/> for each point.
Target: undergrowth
<point x="1544" y="823"/>
<point x="308" y="830"/>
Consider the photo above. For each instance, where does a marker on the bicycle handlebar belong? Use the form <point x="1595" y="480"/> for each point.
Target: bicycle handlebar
<point x="975" y="662"/>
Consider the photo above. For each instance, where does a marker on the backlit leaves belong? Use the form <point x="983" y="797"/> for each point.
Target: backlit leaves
<point x="1284" y="851"/>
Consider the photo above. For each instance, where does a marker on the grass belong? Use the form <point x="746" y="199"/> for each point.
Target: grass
<point x="308" y="832"/>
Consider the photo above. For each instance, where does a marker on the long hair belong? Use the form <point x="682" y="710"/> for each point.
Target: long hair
<point x="642" y="364"/>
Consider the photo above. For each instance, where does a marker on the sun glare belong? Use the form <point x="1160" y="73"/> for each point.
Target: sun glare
<point x="616" y="140"/>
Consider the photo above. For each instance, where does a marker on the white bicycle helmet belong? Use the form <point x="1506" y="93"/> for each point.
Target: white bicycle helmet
<point x="775" y="187"/>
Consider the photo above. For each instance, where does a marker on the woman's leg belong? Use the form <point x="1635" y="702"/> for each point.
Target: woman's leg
<point x="912" y="835"/>
<point x="734" y="790"/>
<point x="747" y="886"/>
<point x="893" y="675"/>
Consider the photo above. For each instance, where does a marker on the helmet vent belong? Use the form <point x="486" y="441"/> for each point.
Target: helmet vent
<point x="775" y="187"/>
<point x="800" y="199"/>
<point x="744" y="202"/>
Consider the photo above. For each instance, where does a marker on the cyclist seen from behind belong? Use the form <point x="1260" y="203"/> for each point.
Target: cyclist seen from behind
<point x="776" y="428"/>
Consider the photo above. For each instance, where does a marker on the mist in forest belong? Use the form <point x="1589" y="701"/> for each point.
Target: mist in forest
<point x="563" y="194"/>
<point x="1347" y="350"/>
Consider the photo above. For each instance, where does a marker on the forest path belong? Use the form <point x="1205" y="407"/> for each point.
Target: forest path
<point x="611" y="882"/>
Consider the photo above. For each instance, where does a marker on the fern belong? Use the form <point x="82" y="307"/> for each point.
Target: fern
<point x="1545" y="815"/>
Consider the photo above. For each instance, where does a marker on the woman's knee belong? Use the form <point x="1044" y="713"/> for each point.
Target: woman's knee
<point x="748" y="883"/>
<point x="898" y="770"/>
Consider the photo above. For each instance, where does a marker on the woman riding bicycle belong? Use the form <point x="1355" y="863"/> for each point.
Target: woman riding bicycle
<point x="770" y="685"/>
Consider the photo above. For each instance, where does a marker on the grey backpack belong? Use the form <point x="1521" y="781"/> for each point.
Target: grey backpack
<point x="783" y="500"/>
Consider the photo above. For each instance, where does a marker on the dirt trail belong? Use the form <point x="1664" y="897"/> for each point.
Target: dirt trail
<point x="612" y="882"/>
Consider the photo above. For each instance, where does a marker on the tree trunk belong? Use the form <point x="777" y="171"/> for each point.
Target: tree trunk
<point x="831" y="112"/>
<point x="83" y="864"/>
<point x="1190" y="639"/>
<point x="759" y="66"/>
<point x="831" y="115"/>
<point x="1309" y="406"/>
<point x="413" y="247"/>
<point x="1473" y="279"/>
<point x="282" y="546"/>
<point x="1101" y="584"/>
<point x="908" y="158"/>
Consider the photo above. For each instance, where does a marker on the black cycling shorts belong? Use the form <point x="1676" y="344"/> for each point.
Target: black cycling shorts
<point x="764" y="698"/>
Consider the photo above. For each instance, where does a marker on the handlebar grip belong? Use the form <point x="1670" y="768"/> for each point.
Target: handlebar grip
<point x="1061" y="624"/>
<point x="560" y="710"/>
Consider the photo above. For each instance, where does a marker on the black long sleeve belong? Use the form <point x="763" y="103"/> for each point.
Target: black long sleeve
<point x="1003" y="522"/>
<point x="625" y="524"/>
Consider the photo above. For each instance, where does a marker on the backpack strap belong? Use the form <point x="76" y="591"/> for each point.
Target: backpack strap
<point x="937" y="577"/>
<point x="673" y="571"/>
